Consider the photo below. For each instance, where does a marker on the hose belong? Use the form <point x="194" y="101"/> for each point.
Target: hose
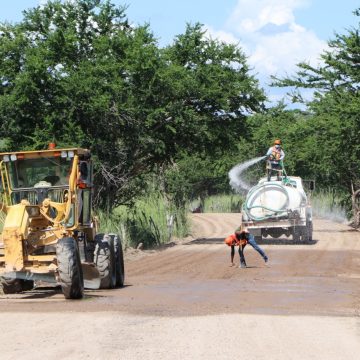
<point x="275" y="212"/>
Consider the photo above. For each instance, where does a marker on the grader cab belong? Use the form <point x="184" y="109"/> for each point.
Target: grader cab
<point x="47" y="229"/>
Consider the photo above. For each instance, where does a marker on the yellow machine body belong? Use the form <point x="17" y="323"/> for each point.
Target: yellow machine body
<point x="36" y="212"/>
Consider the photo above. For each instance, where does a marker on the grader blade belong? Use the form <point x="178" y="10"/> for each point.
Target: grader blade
<point x="27" y="276"/>
<point x="91" y="276"/>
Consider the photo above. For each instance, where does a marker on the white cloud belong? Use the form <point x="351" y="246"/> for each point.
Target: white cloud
<point x="251" y="15"/>
<point x="221" y="35"/>
<point x="42" y="3"/>
<point x="279" y="53"/>
<point x="270" y="36"/>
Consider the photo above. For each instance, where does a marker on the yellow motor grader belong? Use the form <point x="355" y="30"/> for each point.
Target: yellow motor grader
<point x="48" y="233"/>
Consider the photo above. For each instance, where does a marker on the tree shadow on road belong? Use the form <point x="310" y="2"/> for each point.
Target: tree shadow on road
<point x="284" y="241"/>
<point x="264" y="241"/>
<point x="204" y="241"/>
<point x="48" y="292"/>
<point x="336" y="230"/>
<point x="37" y="293"/>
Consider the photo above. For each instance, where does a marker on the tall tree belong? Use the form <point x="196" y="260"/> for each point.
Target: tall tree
<point x="211" y="85"/>
<point x="77" y="72"/>
<point x="330" y="144"/>
<point x="73" y="72"/>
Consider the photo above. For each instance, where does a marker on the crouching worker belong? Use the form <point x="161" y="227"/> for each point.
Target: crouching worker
<point x="232" y="241"/>
<point x="242" y="234"/>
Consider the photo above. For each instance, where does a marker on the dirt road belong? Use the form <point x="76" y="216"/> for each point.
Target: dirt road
<point x="185" y="302"/>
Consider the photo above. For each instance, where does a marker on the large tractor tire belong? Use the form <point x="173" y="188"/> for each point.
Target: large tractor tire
<point x="69" y="267"/>
<point x="104" y="259"/>
<point x="119" y="260"/>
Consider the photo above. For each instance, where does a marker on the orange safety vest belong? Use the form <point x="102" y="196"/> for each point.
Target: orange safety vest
<point x="276" y="153"/>
<point x="231" y="240"/>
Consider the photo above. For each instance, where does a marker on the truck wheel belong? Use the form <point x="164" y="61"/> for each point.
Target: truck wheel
<point x="104" y="260"/>
<point x="119" y="260"/>
<point x="309" y="228"/>
<point x="69" y="268"/>
<point x="306" y="232"/>
<point x="296" y="235"/>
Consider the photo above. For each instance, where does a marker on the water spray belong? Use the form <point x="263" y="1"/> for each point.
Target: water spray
<point x="237" y="182"/>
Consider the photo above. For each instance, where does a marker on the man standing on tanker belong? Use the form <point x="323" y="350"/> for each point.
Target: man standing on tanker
<point x="275" y="156"/>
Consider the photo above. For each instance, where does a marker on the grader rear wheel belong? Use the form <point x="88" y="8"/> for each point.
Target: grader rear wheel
<point x="356" y="207"/>
<point x="69" y="268"/>
<point x="104" y="259"/>
<point x="119" y="260"/>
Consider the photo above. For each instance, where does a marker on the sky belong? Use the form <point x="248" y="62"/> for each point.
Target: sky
<point x="274" y="34"/>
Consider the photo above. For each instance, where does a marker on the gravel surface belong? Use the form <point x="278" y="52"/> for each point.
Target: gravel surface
<point x="184" y="302"/>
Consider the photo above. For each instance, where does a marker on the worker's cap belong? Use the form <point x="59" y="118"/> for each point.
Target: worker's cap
<point x="277" y="142"/>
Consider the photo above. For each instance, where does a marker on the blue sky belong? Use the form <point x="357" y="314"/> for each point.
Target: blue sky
<point x="275" y="34"/>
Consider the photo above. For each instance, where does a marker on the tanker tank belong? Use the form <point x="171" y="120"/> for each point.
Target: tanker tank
<point x="276" y="208"/>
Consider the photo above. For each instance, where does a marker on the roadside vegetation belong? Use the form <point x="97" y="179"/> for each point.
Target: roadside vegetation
<point x="146" y="223"/>
<point x="165" y="125"/>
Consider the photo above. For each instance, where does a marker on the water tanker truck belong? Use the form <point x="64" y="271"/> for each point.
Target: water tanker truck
<point x="278" y="207"/>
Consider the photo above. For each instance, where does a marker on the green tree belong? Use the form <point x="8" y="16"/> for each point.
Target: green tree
<point x="211" y="90"/>
<point x="78" y="73"/>
<point x="329" y="143"/>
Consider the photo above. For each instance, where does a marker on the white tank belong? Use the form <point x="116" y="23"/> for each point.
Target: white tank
<point x="274" y="199"/>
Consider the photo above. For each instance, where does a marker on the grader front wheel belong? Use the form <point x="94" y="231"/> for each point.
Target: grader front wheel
<point x="69" y="268"/>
